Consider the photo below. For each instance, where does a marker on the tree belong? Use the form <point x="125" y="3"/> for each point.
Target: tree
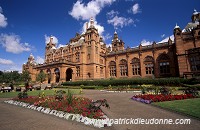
<point x="9" y="77"/>
<point x="41" y="77"/>
<point x="25" y="76"/>
<point x="15" y="76"/>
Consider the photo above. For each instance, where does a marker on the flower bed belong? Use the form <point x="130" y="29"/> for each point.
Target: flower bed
<point x="77" y="109"/>
<point x="148" y="98"/>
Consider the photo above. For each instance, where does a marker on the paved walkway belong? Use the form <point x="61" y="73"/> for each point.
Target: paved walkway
<point x="17" y="118"/>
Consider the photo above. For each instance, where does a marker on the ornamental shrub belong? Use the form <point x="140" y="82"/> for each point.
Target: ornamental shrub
<point x="135" y="81"/>
<point x="192" y="90"/>
<point x="23" y="94"/>
<point x="69" y="97"/>
<point x="59" y="95"/>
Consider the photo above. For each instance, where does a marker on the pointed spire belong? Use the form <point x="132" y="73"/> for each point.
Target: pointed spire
<point x="195" y="12"/>
<point x="115" y="36"/>
<point x="176" y="26"/>
<point x="31" y="56"/>
<point x="51" y="39"/>
<point x="91" y="21"/>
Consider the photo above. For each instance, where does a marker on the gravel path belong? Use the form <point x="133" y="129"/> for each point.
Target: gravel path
<point x="17" y="118"/>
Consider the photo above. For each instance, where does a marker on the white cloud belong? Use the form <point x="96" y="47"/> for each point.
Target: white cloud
<point x="39" y="60"/>
<point x="135" y="8"/>
<point x="3" y="19"/>
<point x="84" y="11"/>
<point x="163" y="35"/>
<point x="47" y="39"/>
<point x="120" y="21"/>
<point x="98" y="26"/>
<point x="15" y="68"/>
<point x="107" y="36"/>
<point x="12" y="43"/>
<point x="112" y="13"/>
<point x="6" y="62"/>
<point x="61" y="45"/>
<point x="146" y="42"/>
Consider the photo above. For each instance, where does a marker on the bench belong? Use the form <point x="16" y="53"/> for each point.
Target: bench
<point x="6" y="89"/>
<point x="191" y="74"/>
<point x="48" y="87"/>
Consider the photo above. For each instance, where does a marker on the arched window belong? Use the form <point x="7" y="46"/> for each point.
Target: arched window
<point x="49" y="75"/>
<point x="149" y="64"/>
<point x="123" y="67"/>
<point x="112" y="66"/>
<point x="69" y="72"/>
<point x="135" y="66"/>
<point x="57" y="74"/>
<point x="164" y="66"/>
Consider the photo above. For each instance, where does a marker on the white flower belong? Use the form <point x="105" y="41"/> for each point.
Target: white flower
<point x="77" y="117"/>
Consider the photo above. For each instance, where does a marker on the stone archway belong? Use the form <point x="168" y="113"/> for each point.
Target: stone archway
<point x="49" y="76"/>
<point x="57" y="73"/>
<point x="69" y="72"/>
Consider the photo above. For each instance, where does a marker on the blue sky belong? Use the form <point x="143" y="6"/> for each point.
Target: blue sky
<point x="25" y="25"/>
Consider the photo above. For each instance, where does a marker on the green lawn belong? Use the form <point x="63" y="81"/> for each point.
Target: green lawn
<point x="188" y="106"/>
<point x="36" y="93"/>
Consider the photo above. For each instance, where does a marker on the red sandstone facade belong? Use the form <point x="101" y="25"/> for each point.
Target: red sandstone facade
<point x="86" y="57"/>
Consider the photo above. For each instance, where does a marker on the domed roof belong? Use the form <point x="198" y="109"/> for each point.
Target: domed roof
<point x="176" y="26"/>
<point x="53" y="47"/>
<point x="195" y="12"/>
<point x="31" y="56"/>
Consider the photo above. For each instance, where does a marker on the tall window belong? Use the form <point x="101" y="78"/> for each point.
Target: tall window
<point x="112" y="66"/>
<point x="123" y="68"/>
<point x="135" y="66"/>
<point x="149" y="64"/>
<point x="88" y="56"/>
<point x="149" y="68"/>
<point x="164" y="66"/>
<point x="78" y="71"/>
<point x="101" y="61"/>
<point x="96" y="49"/>
<point x="77" y="57"/>
<point x="195" y="63"/>
<point x="69" y="58"/>
<point x="101" y="70"/>
<point x="194" y="59"/>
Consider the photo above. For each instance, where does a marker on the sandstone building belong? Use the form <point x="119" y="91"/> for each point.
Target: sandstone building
<point x="86" y="57"/>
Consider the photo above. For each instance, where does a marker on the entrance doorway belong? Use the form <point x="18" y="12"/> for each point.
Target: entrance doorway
<point x="57" y="73"/>
<point x="49" y="76"/>
<point x="69" y="74"/>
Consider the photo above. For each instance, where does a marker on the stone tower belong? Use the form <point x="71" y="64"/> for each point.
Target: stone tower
<point x="117" y="45"/>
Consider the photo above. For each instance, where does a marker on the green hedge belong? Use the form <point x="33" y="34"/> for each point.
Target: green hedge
<point x="121" y="82"/>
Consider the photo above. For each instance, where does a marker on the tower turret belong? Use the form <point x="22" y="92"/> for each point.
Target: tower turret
<point x="177" y="30"/>
<point x="116" y="43"/>
<point x="196" y="16"/>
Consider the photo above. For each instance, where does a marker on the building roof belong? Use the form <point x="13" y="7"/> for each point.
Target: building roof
<point x="190" y="26"/>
